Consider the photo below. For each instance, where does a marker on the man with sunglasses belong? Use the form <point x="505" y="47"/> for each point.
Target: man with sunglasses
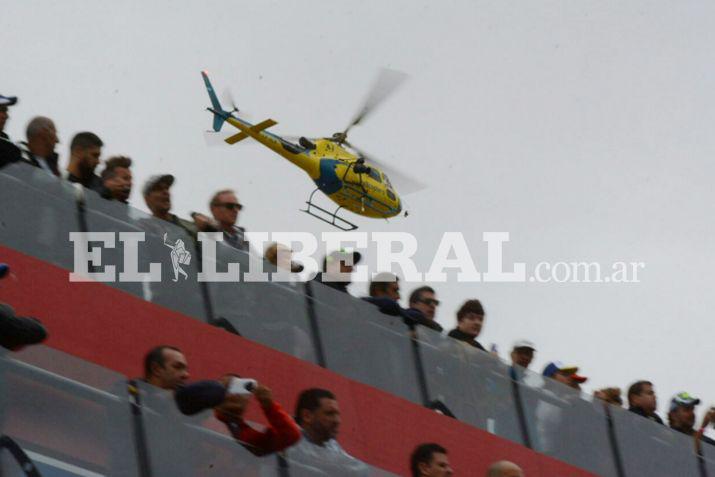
<point x="423" y="306"/>
<point x="225" y="207"/>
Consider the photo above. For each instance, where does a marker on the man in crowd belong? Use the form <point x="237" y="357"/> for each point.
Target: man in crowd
<point x="567" y="375"/>
<point x="681" y="416"/>
<point x="17" y="332"/>
<point x="40" y="146"/>
<point x="318" y="414"/>
<point x="117" y="179"/>
<point x="610" y="395"/>
<point x="430" y="460"/>
<point x="642" y="400"/>
<point x="229" y="407"/>
<point x="424" y="302"/>
<point x="158" y="199"/>
<point x="338" y="267"/>
<point x="385" y="293"/>
<point x="224" y="206"/>
<point x="504" y="468"/>
<point x="9" y="152"/>
<point x="5" y="102"/>
<point x="522" y="353"/>
<point x="85" y="150"/>
<point x="165" y="367"/>
<point x="470" y="319"/>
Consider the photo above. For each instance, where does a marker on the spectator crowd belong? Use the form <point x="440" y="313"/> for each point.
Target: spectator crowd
<point x="310" y="435"/>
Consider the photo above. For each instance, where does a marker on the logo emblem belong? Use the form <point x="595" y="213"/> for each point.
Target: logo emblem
<point x="179" y="256"/>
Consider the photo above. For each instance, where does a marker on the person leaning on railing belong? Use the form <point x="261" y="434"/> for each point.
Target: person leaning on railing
<point x="230" y="407"/>
<point x="385" y="294"/>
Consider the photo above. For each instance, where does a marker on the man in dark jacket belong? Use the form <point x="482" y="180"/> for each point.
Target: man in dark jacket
<point x="85" y="150"/>
<point x="423" y="307"/>
<point x="16" y="331"/>
<point x="5" y="102"/>
<point x="642" y="400"/>
<point x="470" y="319"/>
<point x="385" y="293"/>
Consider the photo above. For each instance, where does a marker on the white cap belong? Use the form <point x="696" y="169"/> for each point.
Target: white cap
<point x="523" y="344"/>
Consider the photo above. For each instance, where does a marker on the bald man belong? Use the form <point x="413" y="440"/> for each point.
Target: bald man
<point x="504" y="468"/>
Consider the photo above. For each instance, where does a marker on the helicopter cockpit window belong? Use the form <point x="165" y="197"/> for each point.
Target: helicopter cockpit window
<point x="387" y="181"/>
<point x="375" y="175"/>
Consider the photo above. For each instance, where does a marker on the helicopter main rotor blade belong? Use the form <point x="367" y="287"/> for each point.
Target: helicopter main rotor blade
<point x="403" y="183"/>
<point x="386" y="83"/>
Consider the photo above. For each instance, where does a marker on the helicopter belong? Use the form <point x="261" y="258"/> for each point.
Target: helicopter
<point x="344" y="173"/>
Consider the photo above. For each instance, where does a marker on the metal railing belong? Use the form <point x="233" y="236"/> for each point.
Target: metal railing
<point x="315" y="323"/>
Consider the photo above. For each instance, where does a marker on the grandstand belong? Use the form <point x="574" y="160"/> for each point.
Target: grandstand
<point x="68" y="404"/>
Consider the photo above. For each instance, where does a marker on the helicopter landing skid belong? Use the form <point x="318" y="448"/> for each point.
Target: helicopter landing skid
<point x="328" y="217"/>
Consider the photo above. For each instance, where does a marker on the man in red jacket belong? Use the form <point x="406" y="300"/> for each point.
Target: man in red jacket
<point x="282" y="431"/>
<point x="229" y="408"/>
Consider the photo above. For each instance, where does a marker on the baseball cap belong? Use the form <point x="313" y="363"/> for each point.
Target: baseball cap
<point x="524" y="344"/>
<point x="155" y="180"/>
<point x="558" y="367"/>
<point x="683" y="399"/>
<point x="578" y="378"/>
<point x="7" y="100"/>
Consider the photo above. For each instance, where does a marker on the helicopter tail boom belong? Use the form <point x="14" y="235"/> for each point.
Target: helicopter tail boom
<point x="219" y="114"/>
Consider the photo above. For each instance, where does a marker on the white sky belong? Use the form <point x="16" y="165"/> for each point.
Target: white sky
<point x="581" y="128"/>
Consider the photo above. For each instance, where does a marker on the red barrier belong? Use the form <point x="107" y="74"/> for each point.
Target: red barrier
<point x="106" y="326"/>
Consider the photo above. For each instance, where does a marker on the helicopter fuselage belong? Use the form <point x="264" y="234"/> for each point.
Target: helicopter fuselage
<point x="366" y="191"/>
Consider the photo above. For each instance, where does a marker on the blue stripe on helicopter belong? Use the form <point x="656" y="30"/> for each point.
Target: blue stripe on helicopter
<point x="328" y="180"/>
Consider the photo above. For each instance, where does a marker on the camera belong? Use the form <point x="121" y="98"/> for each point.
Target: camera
<point x="241" y="386"/>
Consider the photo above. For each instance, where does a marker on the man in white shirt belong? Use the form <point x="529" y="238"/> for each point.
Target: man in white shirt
<point x="318" y="414"/>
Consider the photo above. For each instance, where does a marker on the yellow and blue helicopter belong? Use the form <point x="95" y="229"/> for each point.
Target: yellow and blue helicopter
<point x="345" y="174"/>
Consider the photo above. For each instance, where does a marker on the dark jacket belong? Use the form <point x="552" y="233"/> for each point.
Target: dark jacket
<point x="410" y="316"/>
<point x="16" y="331"/>
<point x="653" y="417"/>
<point x="52" y="161"/>
<point x="469" y="339"/>
<point x="339" y="286"/>
<point x="93" y="182"/>
<point x="9" y="153"/>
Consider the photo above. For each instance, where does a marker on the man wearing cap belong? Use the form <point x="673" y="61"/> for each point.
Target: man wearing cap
<point x="564" y="374"/>
<point x="158" y="199"/>
<point x="337" y="269"/>
<point x="9" y="152"/>
<point x="5" y="102"/>
<point x="522" y="353"/>
<point x="681" y="416"/>
<point x="470" y="319"/>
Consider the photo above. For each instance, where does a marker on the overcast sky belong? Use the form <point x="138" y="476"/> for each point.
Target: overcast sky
<point x="581" y="128"/>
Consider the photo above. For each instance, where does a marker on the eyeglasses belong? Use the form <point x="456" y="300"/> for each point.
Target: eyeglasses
<point x="430" y="301"/>
<point x="230" y="205"/>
